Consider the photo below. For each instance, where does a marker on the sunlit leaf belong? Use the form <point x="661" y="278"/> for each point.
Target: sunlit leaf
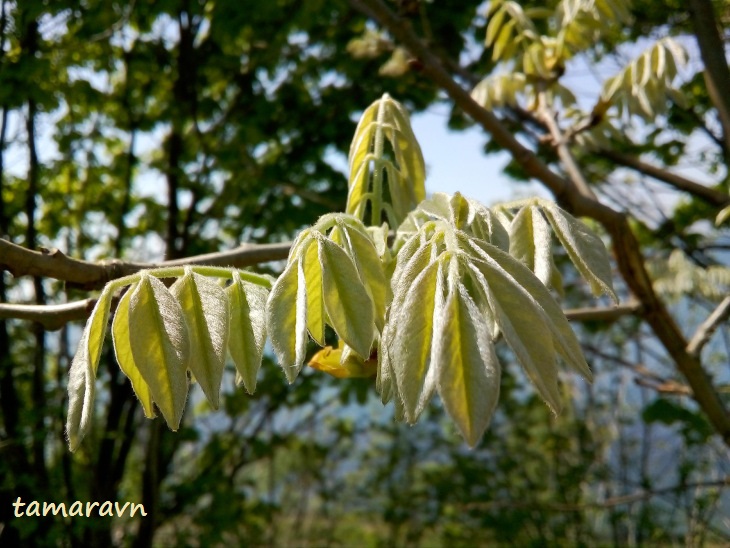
<point x="160" y="346"/>
<point x="286" y="320"/>
<point x="525" y="330"/>
<point x="524" y="281"/>
<point x="248" y="328"/>
<point x="81" y="390"/>
<point x="585" y="249"/>
<point x="329" y="360"/>
<point x="346" y="301"/>
<point x="467" y="365"/>
<point x="205" y="306"/>
<point x="409" y="337"/>
<point x="370" y="270"/>
<point x="123" y="352"/>
<point x="530" y="242"/>
<point x="723" y="216"/>
<point x="315" y="299"/>
<point x="97" y="326"/>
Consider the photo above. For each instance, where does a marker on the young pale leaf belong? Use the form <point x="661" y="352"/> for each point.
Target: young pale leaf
<point x="205" y="306"/>
<point x="286" y="312"/>
<point x="123" y="351"/>
<point x="525" y="330"/>
<point x="530" y="242"/>
<point x="467" y="365"/>
<point x="97" y="326"/>
<point x="160" y="345"/>
<point x="410" y="261"/>
<point x="585" y="249"/>
<point x="81" y="380"/>
<point x="346" y="301"/>
<point x="248" y="328"/>
<point x="409" y="336"/>
<point x="565" y="341"/>
<point x="365" y="257"/>
<point x="315" y="299"/>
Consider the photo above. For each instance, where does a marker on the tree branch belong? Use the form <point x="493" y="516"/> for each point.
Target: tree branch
<point x="547" y="117"/>
<point x="710" y="195"/>
<point x="51" y="316"/>
<point x="52" y="263"/>
<point x="712" y="50"/>
<point x="627" y="250"/>
<point x="707" y="328"/>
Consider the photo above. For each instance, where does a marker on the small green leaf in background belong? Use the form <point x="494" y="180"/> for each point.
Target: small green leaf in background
<point x="160" y="345"/>
<point x="248" y="328"/>
<point x="205" y="307"/>
<point x="723" y="216"/>
<point x="694" y="426"/>
<point x="123" y="351"/>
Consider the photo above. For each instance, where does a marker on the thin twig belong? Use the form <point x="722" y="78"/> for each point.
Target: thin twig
<point x="707" y="328"/>
<point x="710" y="195"/>
<point x="602" y="314"/>
<point x="52" y="317"/>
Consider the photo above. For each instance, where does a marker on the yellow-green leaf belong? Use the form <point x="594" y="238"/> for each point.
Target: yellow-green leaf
<point x="362" y="250"/>
<point x="160" y="346"/>
<point x="81" y="387"/>
<point x="286" y="320"/>
<point x="564" y="339"/>
<point x="723" y="216"/>
<point x="248" y="328"/>
<point x="97" y="326"/>
<point x="524" y="327"/>
<point x="315" y="300"/>
<point x="585" y="249"/>
<point x="123" y="351"/>
<point x="530" y="242"/>
<point x="408" y="337"/>
<point x="467" y="365"/>
<point x="346" y="301"/>
<point x="205" y="306"/>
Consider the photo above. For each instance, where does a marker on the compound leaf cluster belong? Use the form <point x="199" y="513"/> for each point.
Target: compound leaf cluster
<point x="419" y="306"/>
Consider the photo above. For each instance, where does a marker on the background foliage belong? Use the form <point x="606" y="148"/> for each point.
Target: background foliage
<point x="146" y="131"/>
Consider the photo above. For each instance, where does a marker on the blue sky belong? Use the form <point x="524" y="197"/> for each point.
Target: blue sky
<point x="455" y="161"/>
